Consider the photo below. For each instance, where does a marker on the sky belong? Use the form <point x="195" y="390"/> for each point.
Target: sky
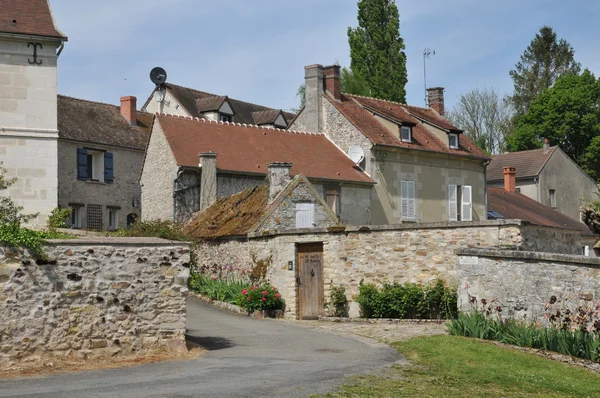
<point x="256" y="50"/>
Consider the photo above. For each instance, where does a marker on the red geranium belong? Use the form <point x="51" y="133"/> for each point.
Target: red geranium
<point x="265" y="292"/>
<point x="264" y="299"/>
<point x="244" y="292"/>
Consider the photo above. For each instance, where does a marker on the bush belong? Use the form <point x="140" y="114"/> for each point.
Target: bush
<point x="58" y="218"/>
<point x="409" y="301"/>
<point x="262" y="297"/>
<point x="338" y="302"/>
<point x="157" y="229"/>
<point x="219" y="283"/>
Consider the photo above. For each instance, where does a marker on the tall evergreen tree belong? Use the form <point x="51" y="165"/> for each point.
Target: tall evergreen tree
<point x="377" y="50"/>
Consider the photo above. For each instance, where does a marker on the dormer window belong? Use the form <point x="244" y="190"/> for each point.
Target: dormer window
<point x="453" y="141"/>
<point x="406" y="134"/>
<point x="225" y="118"/>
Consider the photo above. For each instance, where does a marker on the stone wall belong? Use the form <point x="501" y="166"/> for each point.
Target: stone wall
<point x="402" y="253"/>
<point x="100" y="296"/>
<point x="526" y="285"/>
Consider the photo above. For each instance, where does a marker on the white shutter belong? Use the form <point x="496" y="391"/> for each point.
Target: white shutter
<point x="452" y="191"/>
<point x="467" y="207"/>
<point x="404" y="198"/>
<point x="305" y="215"/>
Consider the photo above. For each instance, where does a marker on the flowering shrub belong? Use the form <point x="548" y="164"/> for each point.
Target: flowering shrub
<point x="221" y="283"/>
<point x="258" y="298"/>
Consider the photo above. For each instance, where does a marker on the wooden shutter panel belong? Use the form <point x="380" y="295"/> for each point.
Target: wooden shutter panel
<point x="411" y="200"/>
<point x="452" y="193"/>
<point x="108" y="167"/>
<point x="467" y="208"/>
<point x="82" y="164"/>
<point x="305" y="215"/>
<point x="404" y="198"/>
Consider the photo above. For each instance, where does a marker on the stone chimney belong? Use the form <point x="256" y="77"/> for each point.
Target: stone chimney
<point x="332" y="81"/>
<point x="128" y="109"/>
<point x="278" y="176"/>
<point x="546" y="146"/>
<point x="510" y="179"/>
<point x="435" y="99"/>
<point x="313" y="97"/>
<point x="208" y="181"/>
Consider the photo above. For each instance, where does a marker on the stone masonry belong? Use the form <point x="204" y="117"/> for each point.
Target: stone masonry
<point x="93" y="297"/>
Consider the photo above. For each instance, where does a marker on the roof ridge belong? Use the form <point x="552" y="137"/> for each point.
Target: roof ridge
<point x="379" y="99"/>
<point x="100" y="103"/>
<point x="246" y="125"/>
<point x="527" y="150"/>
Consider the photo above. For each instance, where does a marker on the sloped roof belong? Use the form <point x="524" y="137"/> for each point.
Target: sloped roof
<point x="189" y="97"/>
<point x="248" y="149"/>
<point x="212" y="103"/>
<point x="528" y="163"/>
<point x="230" y="216"/>
<point x="94" y="122"/>
<point x="359" y="111"/>
<point x="266" y="117"/>
<point x="28" y="17"/>
<point x="513" y="205"/>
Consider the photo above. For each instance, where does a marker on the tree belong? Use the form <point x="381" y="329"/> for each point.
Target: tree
<point x="544" y="61"/>
<point x="352" y="83"/>
<point x="377" y="50"/>
<point x="568" y="114"/>
<point x="484" y="117"/>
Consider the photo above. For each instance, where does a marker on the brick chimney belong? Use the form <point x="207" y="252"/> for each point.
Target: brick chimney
<point x="510" y="179"/>
<point x="208" y="181"/>
<point x="546" y="146"/>
<point x="128" y="109"/>
<point x="332" y="81"/>
<point x="435" y="99"/>
<point x="278" y="177"/>
<point x="313" y="97"/>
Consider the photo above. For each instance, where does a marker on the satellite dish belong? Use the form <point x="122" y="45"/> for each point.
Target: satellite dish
<point x="356" y="154"/>
<point x="159" y="96"/>
<point x="158" y="76"/>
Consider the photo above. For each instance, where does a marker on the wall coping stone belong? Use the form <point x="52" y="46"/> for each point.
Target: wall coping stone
<point x="576" y="260"/>
<point x="115" y="241"/>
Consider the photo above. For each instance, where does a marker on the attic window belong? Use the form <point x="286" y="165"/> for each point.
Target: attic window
<point x="453" y="141"/>
<point x="225" y="118"/>
<point x="406" y="134"/>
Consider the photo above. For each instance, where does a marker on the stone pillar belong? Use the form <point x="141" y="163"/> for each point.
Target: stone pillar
<point x="313" y="97"/>
<point x="208" y="181"/>
<point x="510" y="179"/>
<point x="435" y="99"/>
<point x="278" y="176"/>
<point x="332" y="81"/>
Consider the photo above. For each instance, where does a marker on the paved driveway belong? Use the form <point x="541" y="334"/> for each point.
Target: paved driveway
<point x="246" y="358"/>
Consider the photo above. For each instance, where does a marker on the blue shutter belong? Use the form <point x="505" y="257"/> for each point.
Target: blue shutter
<point x="82" y="164"/>
<point x="108" y="167"/>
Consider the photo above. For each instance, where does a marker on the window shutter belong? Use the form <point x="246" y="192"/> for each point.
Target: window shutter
<point x="108" y="167"/>
<point x="411" y="200"/>
<point x="452" y="191"/>
<point x="404" y="198"/>
<point x="82" y="164"/>
<point x="467" y="208"/>
<point x="305" y="215"/>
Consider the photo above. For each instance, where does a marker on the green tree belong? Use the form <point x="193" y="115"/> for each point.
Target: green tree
<point x="352" y="83"/>
<point x="377" y="50"/>
<point x="544" y="61"/>
<point x="568" y="114"/>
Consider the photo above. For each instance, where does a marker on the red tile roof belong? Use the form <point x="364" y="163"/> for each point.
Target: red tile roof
<point x="28" y="17"/>
<point x="359" y="111"/>
<point x="528" y="163"/>
<point x="513" y="205"/>
<point x="248" y="149"/>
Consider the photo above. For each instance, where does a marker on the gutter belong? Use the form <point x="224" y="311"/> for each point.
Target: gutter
<point x="60" y="48"/>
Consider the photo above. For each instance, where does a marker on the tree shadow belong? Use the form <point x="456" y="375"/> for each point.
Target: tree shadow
<point x="210" y="343"/>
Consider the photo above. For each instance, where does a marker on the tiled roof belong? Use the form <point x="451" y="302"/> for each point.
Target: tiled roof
<point x="248" y="149"/>
<point x="527" y="163"/>
<point x="265" y="117"/>
<point x="189" y="97"/>
<point x="513" y="205"/>
<point x="359" y="111"/>
<point x="28" y="17"/>
<point x="94" y="122"/>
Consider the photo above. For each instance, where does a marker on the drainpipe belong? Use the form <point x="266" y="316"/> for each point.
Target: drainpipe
<point x="485" y="200"/>
<point x="60" y="48"/>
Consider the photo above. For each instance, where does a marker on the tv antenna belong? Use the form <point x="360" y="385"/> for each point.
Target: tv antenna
<point x="427" y="53"/>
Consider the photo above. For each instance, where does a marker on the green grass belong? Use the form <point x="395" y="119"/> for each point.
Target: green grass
<point x="449" y="366"/>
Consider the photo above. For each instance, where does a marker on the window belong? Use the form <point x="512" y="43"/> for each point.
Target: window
<point x="305" y="215"/>
<point x="332" y="200"/>
<point x="453" y="141"/>
<point x="460" y="194"/>
<point x="586" y="251"/>
<point x="407" y="198"/>
<point x="94" y="217"/>
<point x="518" y="190"/>
<point x="225" y="118"/>
<point x="405" y="133"/>
<point x="113" y="218"/>
<point x="94" y="165"/>
<point x="76" y="213"/>
<point x="552" y="195"/>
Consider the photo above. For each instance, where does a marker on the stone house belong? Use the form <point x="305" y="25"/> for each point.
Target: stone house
<point x="183" y="101"/>
<point x="190" y="163"/>
<point x="547" y="175"/>
<point x="425" y="168"/>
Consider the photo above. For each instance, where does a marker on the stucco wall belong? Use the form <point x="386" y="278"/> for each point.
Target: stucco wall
<point x="228" y="184"/>
<point x="527" y="187"/>
<point x="168" y="105"/>
<point x="93" y="297"/>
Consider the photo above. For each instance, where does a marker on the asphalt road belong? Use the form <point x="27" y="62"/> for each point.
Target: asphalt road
<point x="246" y="358"/>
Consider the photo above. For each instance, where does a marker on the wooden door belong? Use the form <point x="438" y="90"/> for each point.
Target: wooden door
<point x="310" y="280"/>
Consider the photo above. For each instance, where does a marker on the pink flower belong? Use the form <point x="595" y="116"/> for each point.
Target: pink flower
<point x="276" y="295"/>
<point x="254" y="287"/>
<point x="244" y="292"/>
<point x="275" y="288"/>
<point x="264" y="299"/>
<point x="249" y="298"/>
<point x="265" y="292"/>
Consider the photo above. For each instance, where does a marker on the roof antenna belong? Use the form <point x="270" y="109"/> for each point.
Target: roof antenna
<point x="427" y="52"/>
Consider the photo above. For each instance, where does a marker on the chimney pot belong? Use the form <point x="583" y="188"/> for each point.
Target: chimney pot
<point x="128" y="109"/>
<point x="208" y="179"/>
<point x="546" y="146"/>
<point x="278" y="176"/>
<point x="332" y="81"/>
<point x="510" y="179"/>
<point x="435" y="99"/>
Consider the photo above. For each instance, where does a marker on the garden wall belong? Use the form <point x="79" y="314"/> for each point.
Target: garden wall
<point x="526" y="285"/>
<point x="101" y="296"/>
<point x="417" y="253"/>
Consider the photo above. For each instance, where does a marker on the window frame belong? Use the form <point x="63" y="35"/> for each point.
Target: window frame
<point x="223" y="117"/>
<point x="466" y="206"/>
<point x="407" y="128"/>
<point x="113" y="218"/>
<point x="450" y="136"/>
<point x="332" y="200"/>
<point x="552" y="198"/>
<point x="408" y="200"/>
<point x="76" y="213"/>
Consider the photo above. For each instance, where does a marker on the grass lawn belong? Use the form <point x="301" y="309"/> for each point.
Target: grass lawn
<point x="449" y="366"/>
